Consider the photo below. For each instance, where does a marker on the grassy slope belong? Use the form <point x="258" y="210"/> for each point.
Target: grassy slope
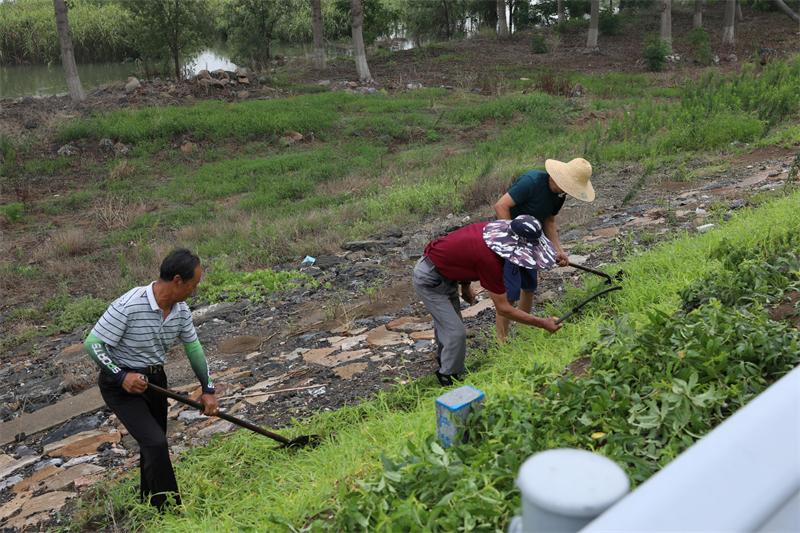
<point x="241" y="483"/>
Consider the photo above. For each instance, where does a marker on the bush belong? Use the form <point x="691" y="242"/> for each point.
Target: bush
<point x="609" y="23"/>
<point x="81" y="312"/>
<point x="573" y="25"/>
<point x="655" y="53"/>
<point x="538" y="45"/>
<point x="698" y="38"/>
<point x="13" y="212"/>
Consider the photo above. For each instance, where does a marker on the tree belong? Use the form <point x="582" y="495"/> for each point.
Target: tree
<point x="697" y="20"/>
<point x="251" y="26"/>
<point x="739" y="15"/>
<point x="169" y="28"/>
<point x="786" y="9"/>
<point x="666" y="22"/>
<point x="729" y="22"/>
<point x="67" y="54"/>
<point x="502" y="25"/>
<point x="317" y="27"/>
<point x="594" y="25"/>
<point x="561" y="17"/>
<point x="359" y="50"/>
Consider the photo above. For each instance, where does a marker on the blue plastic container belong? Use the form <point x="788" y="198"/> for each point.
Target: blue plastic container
<point x="452" y="409"/>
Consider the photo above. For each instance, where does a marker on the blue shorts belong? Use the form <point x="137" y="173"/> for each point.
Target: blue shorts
<point x="516" y="278"/>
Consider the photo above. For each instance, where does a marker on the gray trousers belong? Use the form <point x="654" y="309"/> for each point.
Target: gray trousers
<point x="441" y="298"/>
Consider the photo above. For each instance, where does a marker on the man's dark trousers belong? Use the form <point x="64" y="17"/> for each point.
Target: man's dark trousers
<point x="145" y="417"/>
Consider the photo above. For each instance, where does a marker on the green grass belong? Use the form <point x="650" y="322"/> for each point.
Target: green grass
<point x="242" y="483"/>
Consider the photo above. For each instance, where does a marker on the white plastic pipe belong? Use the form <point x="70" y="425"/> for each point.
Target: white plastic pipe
<point x="733" y="480"/>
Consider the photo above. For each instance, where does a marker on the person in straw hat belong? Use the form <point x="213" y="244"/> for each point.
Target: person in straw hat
<point x="541" y="195"/>
<point x="477" y="252"/>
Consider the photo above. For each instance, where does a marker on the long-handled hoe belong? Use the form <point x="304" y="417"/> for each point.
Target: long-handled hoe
<point x="297" y="442"/>
<point x="618" y="276"/>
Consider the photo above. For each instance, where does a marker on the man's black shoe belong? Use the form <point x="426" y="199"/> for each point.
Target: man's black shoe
<point x="445" y="380"/>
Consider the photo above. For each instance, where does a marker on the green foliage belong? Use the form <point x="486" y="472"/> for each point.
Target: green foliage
<point x="652" y="390"/>
<point x="538" y="44"/>
<point x="13" y="212"/>
<point x="609" y="23"/>
<point x="655" y="53"/>
<point x="698" y="39"/>
<point x="101" y="31"/>
<point x="169" y="28"/>
<point x="572" y="25"/>
<point x="79" y="313"/>
<point x="378" y="18"/>
<point x="223" y="285"/>
<point x="250" y="28"/>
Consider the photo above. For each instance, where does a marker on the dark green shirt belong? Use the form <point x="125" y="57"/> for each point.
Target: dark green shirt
<point x="532" y="195"/>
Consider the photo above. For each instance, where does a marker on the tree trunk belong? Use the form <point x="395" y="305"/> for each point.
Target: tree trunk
<point x="697" y="20"/>
<point x="317" y="28"/>
<point x="729" y="23"/>
<point x="594" y="25"/>
<point x="739" y="15"/>
<point x="67" y="54"/>
<point x="175" y="46"/>
<point x="359" y="50"/>
<point x="447" y="26"/>
<point x="666" y="22"/>
<point x="502" y="25"/>
<point x="560" y="11"/>
<point x="786" y="9"/>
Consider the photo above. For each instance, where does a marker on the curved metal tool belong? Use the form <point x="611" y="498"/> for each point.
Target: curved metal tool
<point x="297" y="442"/>
<point x="586" y="301"/>
<point x="618" y="276"/>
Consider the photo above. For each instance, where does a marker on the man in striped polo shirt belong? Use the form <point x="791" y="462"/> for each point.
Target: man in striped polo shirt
<point x="129" y="343"/>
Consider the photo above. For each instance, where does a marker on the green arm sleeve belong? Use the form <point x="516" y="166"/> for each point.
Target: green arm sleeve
<point x="97" y="351"/>
<point x="197" y="358"/>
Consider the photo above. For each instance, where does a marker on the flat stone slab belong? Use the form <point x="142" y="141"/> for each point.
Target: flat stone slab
<point x="350" y="342"/>
<point x="66" y="477"/>
<point x="317" y="355"/>
<point x="52" y="415"/>
<point x="381" y="336"/>
<point x="345" y="357"/>
<point x="428" y="335"/>
<point x="13" y="506"/>
<point x="81" y="444"/>
<point x="474" y="310"/>
<point x="267" y="383"/>
<point x="12" y="467"/>
<point x="408" y="324"/>
<point x="348" y="371"/>
<point x="36" y="478"/>
<point x="51" y="501"/>
<point x="243" y="344"/>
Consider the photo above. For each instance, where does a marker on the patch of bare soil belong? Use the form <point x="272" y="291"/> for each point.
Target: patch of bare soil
<point x="788" y="309"/>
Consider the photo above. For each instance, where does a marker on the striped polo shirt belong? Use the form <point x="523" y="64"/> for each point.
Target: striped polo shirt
<point x="136" y="332"/>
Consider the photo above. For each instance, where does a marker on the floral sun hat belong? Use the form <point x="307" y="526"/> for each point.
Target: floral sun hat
<point x="521" y="241"/>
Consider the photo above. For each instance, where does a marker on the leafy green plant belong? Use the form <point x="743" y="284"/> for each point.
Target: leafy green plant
<point x="223" y="285"/>
<point x="609" y="23"/>
<point x="698" y="39"/>
<point x="13" y="212"/>
<point x="538" y="44"/>
<point x="80" y="313"/>
<point x="655" y="53"/>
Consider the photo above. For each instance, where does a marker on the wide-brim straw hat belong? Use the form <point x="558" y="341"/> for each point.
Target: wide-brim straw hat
<point x="520" y="241"/>
<point x="572" y="177"/>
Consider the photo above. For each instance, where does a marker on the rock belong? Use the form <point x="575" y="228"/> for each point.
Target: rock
<point x="700" y="212"/>
<point x="366" y="90"/>
<point x="366" y="245"/>
<point x="609" y="232"/>
<point x="243" y="344"/>
<point x="12" y="466"/>
<point x="34" y="480"/>
<point x="23" y="451"/>
<point x="344" y="357"/>
<point x="188" y="148"/>
<point x="381" y="336"/>
<point x="348" y="371"/>
<point x="64" y="479"/>
<point x="732" y="58"/>
<point x="291" y="138"/>
<point x="68" y="150"/>
<point x="81" y="444"/>
<point x="76" y="425"/>
<point x="414" y="85"/>
<point x="106" y="144"/>
<point x="121" y="149"/>
<point x="324" y="82"/>
<point x="52" y="501"/>
<point x="476" y="309"/>
<point x="80" y="460"/>
<point x="207" y="312"/>
<point x="407" y="324"/>
<point x="55" y="461"/>
<point x="31" y="124"/>
<point x="423" y="345"/>
<point x="681" y="213"/>
<point x="578" y="259"/>
<point x="13" y="506"/>
<point x="10" y="482"/>
<point x="547" y="296"/>
<point x="577" y="91"/>
<point x="243" y="95"/>
<point x="220" y="74"/>
<point x="203" y="75"/>
<point x="317" y="355"/>
<point x="132" y="84"/>
<point x="267" y="383"/>
<point x="428" y="335"/>
<point x="351" y="342"/>
<point x="223" y="426"/>
<point x="191" y="415"/>
<point x="351" y="84"/>
<point x="704" y="228"/>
